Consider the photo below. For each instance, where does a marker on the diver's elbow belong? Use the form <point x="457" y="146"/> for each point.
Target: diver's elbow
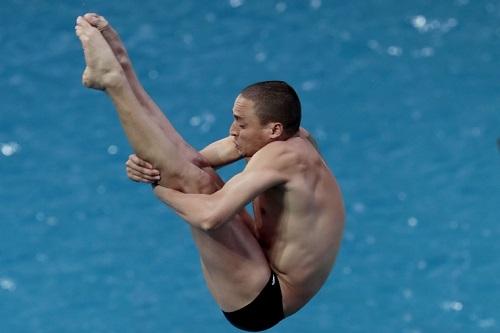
<point x="204" y="220"/>
<point x="210" y="222"/>
<point x="207" y="226"/>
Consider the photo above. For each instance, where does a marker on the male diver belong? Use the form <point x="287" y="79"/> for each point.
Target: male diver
<point x="259" y="269"/>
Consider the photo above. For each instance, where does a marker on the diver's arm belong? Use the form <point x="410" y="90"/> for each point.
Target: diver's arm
<point x="221" y="152"/>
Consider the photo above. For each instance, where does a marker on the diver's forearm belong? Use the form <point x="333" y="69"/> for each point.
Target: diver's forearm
<point x="196" y="209"/>
<point x="221" y="152"/>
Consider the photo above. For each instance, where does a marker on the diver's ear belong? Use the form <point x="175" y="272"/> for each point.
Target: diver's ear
<point x="275" y="130"/>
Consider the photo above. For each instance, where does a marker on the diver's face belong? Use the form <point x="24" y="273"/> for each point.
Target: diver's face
<point x="249" y="135"/>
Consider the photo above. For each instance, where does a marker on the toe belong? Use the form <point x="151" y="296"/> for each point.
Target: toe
<point x="79" y="31"/>
<point x="92" y="18"/>
<point x="80" y="21"/>
<point x="96" y="20"/>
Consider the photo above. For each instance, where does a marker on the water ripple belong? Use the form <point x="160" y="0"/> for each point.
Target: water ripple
<point x="9" y="148"/>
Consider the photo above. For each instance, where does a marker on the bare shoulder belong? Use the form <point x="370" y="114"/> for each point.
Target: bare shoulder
<point x="280" y="155"/>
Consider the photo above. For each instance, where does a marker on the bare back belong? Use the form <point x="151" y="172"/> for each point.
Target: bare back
<point x="299" y="224"/>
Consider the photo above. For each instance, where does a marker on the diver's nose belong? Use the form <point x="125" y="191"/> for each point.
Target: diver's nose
<point x="233" y="129"/>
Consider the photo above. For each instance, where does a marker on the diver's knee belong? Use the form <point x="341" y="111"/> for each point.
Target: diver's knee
<point x="196" y="180"/>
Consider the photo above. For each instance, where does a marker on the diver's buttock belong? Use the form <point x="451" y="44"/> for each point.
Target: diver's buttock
<point x="263" y="312"/>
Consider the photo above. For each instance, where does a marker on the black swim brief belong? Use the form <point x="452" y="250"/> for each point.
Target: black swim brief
<point x="263" y="312"/>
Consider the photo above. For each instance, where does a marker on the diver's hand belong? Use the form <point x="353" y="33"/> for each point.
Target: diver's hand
<point x="141" y="171"/>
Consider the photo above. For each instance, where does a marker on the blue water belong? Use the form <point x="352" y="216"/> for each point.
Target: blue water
<point x="403" y="98"/>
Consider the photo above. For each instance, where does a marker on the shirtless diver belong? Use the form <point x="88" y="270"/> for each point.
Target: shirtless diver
<point x="259" y="269"/>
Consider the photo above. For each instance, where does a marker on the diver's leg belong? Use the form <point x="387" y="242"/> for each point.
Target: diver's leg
<point x="234" y="265"/>
<point x="147" y="139"/>
<point x="120" y="52"/>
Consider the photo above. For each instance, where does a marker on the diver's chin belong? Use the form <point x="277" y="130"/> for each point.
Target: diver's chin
<point x="243" y="154"/>
<point x="238" y="148"/>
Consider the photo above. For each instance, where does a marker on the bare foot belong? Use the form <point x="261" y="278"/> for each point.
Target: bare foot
<point x="110" y="35"/>
<point x="103" y="70"/>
